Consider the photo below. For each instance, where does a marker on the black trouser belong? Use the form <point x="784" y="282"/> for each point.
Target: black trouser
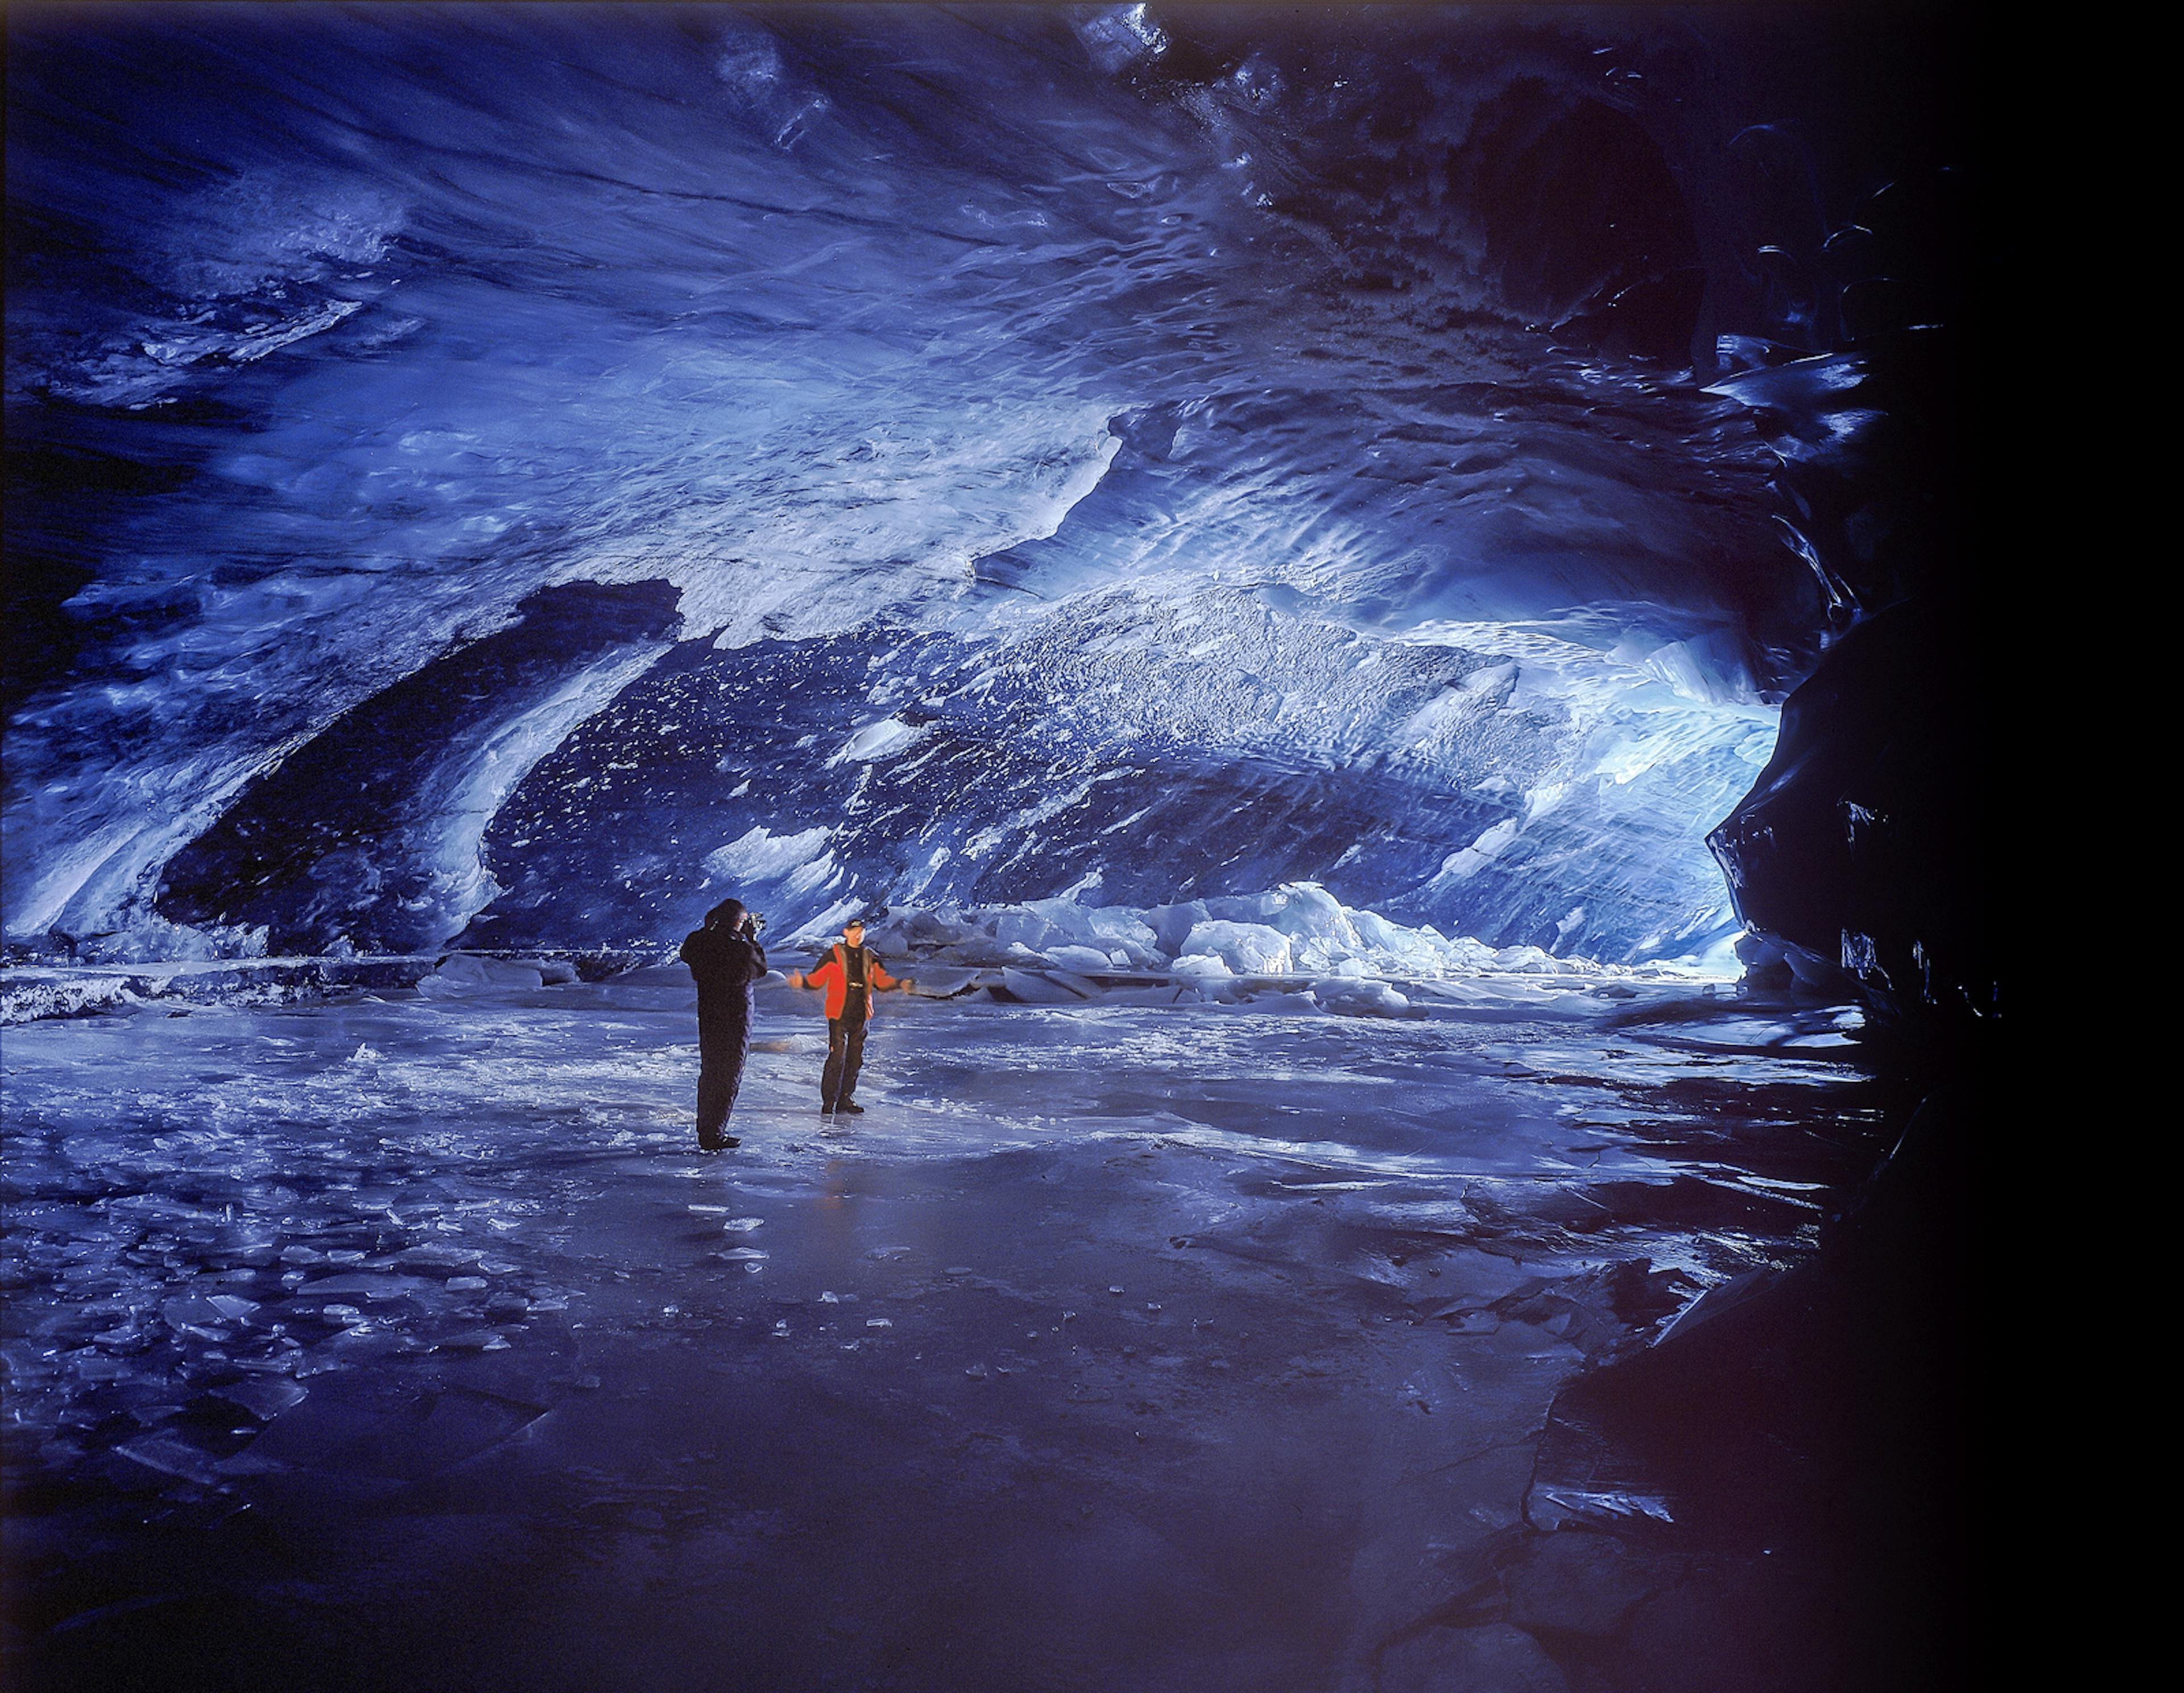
<point x="845" y="1057"/>
<point x="723" y="1044"/>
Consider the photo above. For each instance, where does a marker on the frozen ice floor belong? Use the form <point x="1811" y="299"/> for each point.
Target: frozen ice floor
<point x="403" y="1342"/>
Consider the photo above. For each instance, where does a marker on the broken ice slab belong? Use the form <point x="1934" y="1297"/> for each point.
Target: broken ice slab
<point x="473" y="1340"/>
<point x="461" y="973"/>
<point x="1552" y="1507"/>
<point x="285" y="1355"/>
<point x="371" y="1286"/>
<point x="1718" y="1301"/>
<point x="432" y="1256"/>
<point x="170" y="1457"/>
<point x="1043" y="987"/>
<point x="186" y="1310"/>
<point x="265" y="1399"/>
<point x="1393" y="1115"/>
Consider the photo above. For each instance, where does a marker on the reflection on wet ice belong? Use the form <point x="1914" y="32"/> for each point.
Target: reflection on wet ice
<point x="250" y="1266"/>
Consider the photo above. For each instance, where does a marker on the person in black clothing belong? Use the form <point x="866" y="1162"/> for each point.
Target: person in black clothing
<point x="725" y="958"/>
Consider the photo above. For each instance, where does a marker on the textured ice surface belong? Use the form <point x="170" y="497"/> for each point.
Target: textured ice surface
<point x="1033" y="467"/>
<point x="1200" y="1346"/>
<point x="1296" y="939"/>
<point x="1291" y="935"/>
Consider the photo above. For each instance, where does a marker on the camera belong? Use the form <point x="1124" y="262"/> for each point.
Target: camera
<point x="754" y="925"/>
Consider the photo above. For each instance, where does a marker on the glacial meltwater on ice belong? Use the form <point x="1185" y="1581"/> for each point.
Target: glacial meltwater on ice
<point x="1213" y="1338"/>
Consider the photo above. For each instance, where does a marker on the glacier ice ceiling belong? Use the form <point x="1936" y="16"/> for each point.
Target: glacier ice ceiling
<point x="513" y="477"/>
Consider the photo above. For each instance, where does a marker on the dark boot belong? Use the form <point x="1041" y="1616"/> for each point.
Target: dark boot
<point x="851" y="1106"/>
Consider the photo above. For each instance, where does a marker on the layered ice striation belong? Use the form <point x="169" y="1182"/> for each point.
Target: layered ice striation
<point x="517" y="480"/>
<point x="1500" y="783"/>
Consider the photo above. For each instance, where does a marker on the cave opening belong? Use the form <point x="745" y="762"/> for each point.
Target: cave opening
<point x="1373" y="605"/>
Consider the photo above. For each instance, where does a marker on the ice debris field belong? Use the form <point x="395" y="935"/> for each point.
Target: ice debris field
<point x="1208" y="1341"/>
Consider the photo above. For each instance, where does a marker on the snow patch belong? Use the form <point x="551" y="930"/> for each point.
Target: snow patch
<point x="758" y="855"/>
<point x="885" y="739"/>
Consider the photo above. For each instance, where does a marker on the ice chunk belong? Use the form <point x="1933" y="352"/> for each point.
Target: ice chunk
<point x="169" y="1456"/>
<point x="1245" y="948"/>
<point x="265" y="1399"/>
<point x="463" y="973"/>
<point x="759" y="856"/>
<point x="185" y="1311"/>
<point x="1020" y="926"/>
<point x="474" y="1340"/>
<point x="1459" y="867"/>
<point x="372" y="1286"/>
<point x="1297" y="928"/>
<point x="1351" y="998"/>
<point x="1044" y="988"/>
<point x="885" y="739"/>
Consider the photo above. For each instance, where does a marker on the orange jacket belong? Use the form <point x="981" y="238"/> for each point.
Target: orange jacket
<point x="834" y="975"/>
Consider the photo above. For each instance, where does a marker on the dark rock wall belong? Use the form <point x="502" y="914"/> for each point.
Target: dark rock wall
<point x="1863" y="848"/>
<point x="1864" y="844"/>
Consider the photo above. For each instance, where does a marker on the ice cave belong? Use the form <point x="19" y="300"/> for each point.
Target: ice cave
<point x="1371" y="603"/>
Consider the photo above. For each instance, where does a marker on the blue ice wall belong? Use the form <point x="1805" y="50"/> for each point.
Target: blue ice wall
<point x="524" y="473"/>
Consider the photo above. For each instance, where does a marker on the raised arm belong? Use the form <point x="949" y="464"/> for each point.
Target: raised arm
<point x="818" y="978"/>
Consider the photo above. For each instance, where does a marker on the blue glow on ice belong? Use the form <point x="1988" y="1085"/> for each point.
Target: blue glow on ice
<point x="1037" y="502"/>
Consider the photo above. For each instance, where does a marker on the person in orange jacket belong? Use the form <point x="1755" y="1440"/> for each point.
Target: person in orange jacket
<point x="851" y="974"/>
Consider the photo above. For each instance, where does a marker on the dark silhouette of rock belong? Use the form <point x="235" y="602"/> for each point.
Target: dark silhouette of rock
<point x="1864" y="843"/>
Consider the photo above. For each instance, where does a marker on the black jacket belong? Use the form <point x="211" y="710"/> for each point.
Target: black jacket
<point x="725" y="965"/>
